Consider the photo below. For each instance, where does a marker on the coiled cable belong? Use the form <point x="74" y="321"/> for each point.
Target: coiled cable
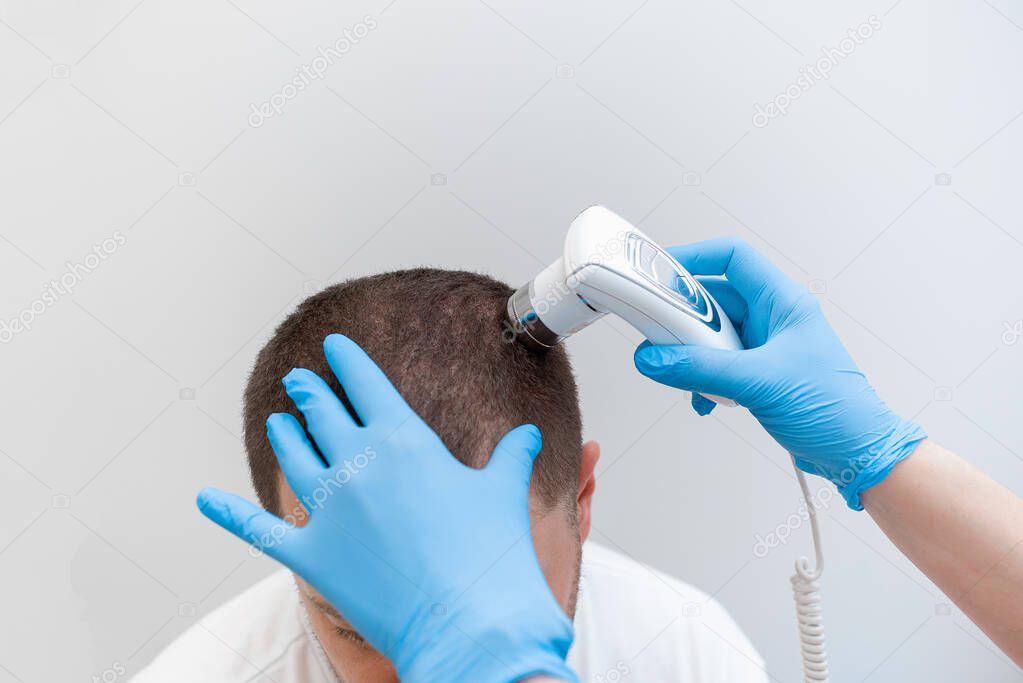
<point x="806" y="585"/>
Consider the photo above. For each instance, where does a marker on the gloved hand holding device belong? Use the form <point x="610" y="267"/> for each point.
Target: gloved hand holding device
<point x="959" y="526"/>
<point x="795" y="376"/>
<point x="430" y="560"/>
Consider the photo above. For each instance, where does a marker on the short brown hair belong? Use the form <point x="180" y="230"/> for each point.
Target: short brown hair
<point x="437" y="334"/>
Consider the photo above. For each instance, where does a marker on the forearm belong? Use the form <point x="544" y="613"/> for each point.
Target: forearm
<point x="964" y="531"/>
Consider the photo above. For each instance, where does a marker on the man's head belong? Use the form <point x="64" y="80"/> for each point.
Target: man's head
<point x="438" y="335"/>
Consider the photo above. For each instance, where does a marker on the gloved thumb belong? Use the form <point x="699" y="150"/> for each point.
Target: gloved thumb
<point x="512" y="459"/>
<point x="692" y="368"/>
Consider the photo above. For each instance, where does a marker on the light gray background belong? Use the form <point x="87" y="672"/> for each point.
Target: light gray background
<point x="467" y="135"/>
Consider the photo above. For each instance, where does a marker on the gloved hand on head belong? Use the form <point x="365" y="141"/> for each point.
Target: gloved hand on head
<point x="430" y="560"/>
<point x="794" y="375"/>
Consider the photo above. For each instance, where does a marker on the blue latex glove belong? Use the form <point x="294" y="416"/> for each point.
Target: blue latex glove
<point x="794" y="376"/>
<point x="430" y="560"/>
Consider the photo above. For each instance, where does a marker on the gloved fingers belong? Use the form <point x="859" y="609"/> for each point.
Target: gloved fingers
<point x="702" y="405"/>
<point x="693" y="368"/>
<point x="512" y="459"/>
<point x="365" y="384"/>
<point x="731" y="301"/>
<point x="326" y="418"/>
<point x="749" y="271"/>
<point x="297" y="457"/>
<point x="247" y="521"/>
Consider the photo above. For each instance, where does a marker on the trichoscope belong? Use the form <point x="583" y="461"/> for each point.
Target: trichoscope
<point x="609" y="266"/>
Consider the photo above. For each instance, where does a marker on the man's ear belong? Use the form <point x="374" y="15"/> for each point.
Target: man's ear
<point x="587" y="483"/>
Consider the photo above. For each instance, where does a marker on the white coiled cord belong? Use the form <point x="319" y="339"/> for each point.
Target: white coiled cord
<point x="806" y="585"/>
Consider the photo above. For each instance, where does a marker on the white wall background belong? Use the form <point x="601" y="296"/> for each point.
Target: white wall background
<point x="467" y="134"/>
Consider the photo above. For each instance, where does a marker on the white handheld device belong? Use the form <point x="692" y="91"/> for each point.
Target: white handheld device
<point x="609" y="266"/>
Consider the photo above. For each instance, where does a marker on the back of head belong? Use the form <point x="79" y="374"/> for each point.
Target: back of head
<point x="437" y="334"/>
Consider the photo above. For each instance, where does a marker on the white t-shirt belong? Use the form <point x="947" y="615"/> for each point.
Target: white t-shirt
<point x="631" y="622"/>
